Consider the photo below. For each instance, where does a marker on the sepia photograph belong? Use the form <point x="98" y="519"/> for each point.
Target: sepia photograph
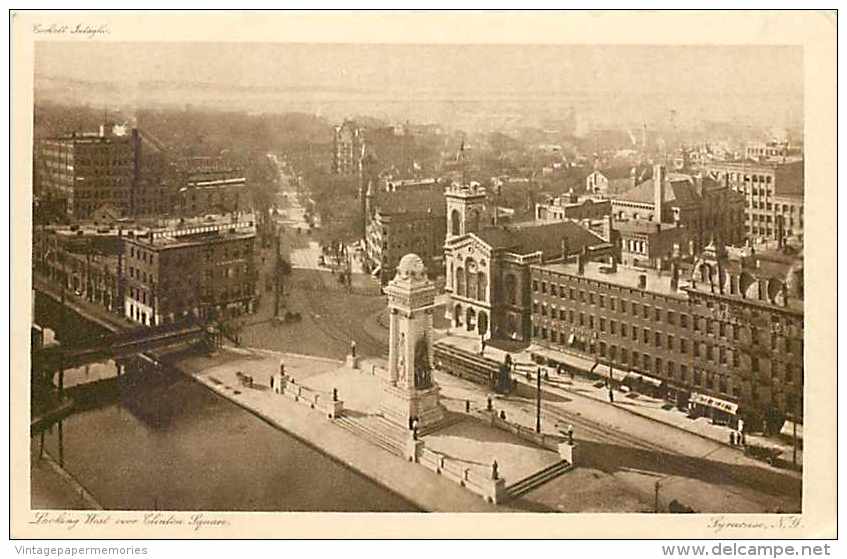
<point x="277" y="275"/>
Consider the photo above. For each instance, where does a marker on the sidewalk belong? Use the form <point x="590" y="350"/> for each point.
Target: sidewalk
<point x="650" y="408"/>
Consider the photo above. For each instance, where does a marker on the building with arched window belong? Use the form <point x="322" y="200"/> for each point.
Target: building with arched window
<point x="487" y="273"/>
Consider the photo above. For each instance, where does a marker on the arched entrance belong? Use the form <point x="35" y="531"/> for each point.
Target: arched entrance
<point x="457" y="315"/>
<point x="482" y="323"/>
<point x="511" y="326"/>
<point x="470" y="319"/>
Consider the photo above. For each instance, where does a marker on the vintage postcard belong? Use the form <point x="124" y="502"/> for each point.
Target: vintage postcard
<point x="277" y="266"/>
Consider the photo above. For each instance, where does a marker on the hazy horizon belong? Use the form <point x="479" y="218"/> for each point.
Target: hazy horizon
<point x="761" y="85"/>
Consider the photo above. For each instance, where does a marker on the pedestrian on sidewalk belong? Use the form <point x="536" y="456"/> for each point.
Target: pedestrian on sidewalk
<point x="732" y="438"/>
<point x="482" y="345"/>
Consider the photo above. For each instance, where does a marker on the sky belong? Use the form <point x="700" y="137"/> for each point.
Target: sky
<point x="725" y="80"/>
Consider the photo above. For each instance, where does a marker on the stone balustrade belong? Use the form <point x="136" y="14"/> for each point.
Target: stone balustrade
<point x="320" y="401"/>
<point x="492" y="490"/>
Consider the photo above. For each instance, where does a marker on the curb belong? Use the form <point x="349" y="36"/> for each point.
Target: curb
<point x="69" y="479"/>
<point x="653" y="419"/>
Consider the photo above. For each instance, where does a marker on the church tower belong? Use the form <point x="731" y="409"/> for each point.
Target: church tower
<point x="465" y="209"/>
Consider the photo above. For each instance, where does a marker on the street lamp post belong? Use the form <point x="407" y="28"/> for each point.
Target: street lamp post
<point x="656" y="487"/>
<point x="611" y="381"/>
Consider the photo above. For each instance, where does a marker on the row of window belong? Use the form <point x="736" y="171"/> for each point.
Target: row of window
<point x="614" y="304"/>
<point x="668" y="368"/>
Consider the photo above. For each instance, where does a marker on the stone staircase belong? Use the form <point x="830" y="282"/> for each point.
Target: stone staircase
<point x="377" y="430"/>
<point x="538" y="479"/>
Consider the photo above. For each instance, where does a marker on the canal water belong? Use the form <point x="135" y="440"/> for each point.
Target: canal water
<point x="175" y="445"/>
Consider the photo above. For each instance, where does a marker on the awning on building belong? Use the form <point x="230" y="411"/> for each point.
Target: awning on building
<point x="569" y="359"/>
<point x="788" y="429"/>
<point x="713" y="402"/>
<point x="632" y="378"/>
<point x="651" y="381"/>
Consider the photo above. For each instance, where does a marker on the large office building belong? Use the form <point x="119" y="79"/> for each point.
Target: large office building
<point x="773" y="193"/>
<point x="89" y="171"/>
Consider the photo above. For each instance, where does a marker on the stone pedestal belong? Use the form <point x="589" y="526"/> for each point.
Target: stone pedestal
<point x="413" y="449"/>
<point x="496" y="491"/>
<point x="569" y="453"/>
<point x="400" y="405"/>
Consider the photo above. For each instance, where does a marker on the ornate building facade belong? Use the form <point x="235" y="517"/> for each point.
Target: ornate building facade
<point x="487" y="267"/>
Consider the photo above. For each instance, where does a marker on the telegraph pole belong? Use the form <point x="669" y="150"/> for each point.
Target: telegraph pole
<point x="276" y="276"/>
<point x="538" y="401"/>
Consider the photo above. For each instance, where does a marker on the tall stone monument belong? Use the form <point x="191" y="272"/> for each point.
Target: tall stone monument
<point x="411" y="394"/>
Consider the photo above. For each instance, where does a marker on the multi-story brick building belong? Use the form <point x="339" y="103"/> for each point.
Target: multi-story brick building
<point x="705" y="208"/>
<point x="213" y="192"/>
<point x="570" y="206"/>
<point x="773" y="192"/>
<point x="85" y="261"/>
<point x="404" y="221"/>
<point x="90" y="170"/>
<point x="201" y="269"/>
<point x="726" y="343"/>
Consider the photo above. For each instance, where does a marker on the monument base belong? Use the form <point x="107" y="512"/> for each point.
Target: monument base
<point x="400" y="405"/>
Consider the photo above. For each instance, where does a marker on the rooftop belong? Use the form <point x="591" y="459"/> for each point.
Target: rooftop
<point x="643" y="226"/>
<point x="173" y="238"/>
<point x="412" y="201"/>
<point x="624" y="277"/>
<point x="679" y="189"/>
<point x="546" y="238"/>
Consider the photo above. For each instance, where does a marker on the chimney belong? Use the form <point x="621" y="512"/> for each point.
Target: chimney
<point x="564" y="245"/>
<point x="642" y="281"/>
<point x="608" y="226"/>
<point x="698" y="184"/>
<point x="613" y="263"/>
<point x="659" y="174"/>
<point x="580" y="262"/>
<point x="674" y="276"/>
